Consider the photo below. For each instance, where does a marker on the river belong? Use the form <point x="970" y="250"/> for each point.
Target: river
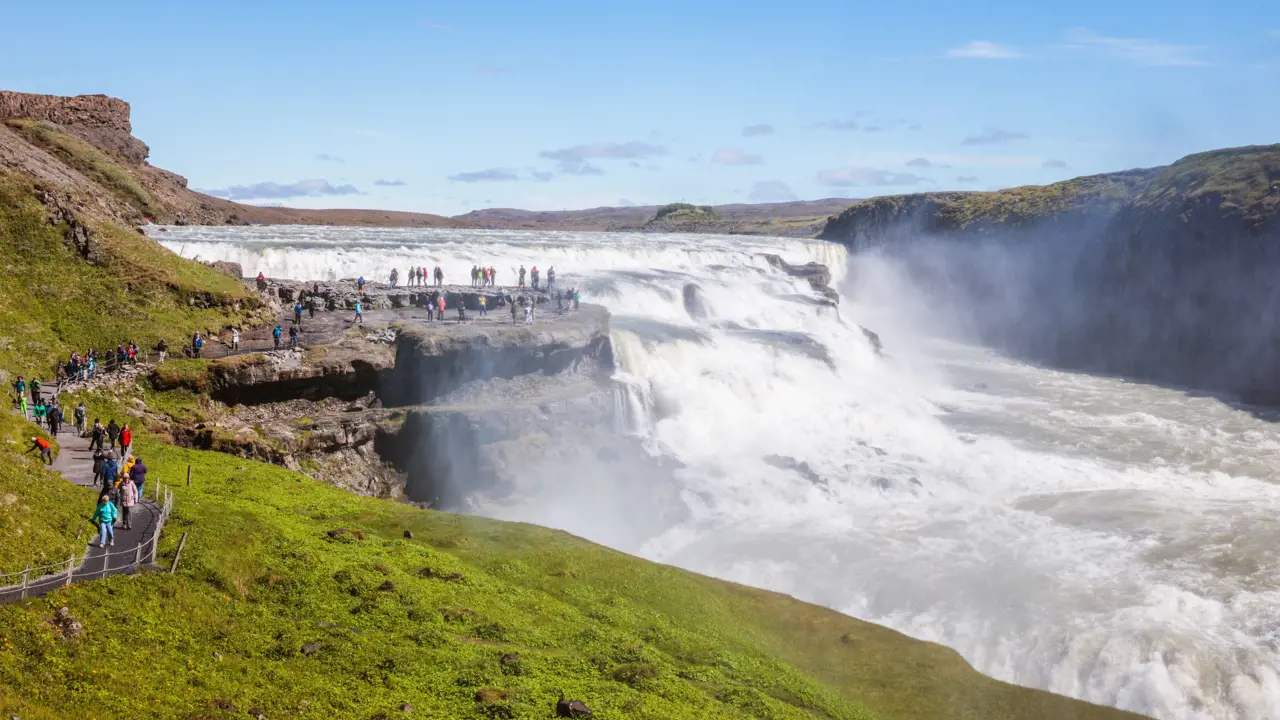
<point x="1102" y="539"/>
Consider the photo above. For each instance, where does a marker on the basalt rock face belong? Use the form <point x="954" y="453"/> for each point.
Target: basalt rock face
<point x="1163" y="275"/>
<point x="817" y="275"/>
<point x="430" y="363"/>
<point x="99" y="120"/>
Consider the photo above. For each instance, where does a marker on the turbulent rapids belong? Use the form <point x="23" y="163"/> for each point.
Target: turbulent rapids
<point x="1111" y="541"/>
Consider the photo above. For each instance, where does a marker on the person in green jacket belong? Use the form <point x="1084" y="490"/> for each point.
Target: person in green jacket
<point x="105" y="516"/>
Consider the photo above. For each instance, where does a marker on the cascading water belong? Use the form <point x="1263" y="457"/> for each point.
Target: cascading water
<point x="1106" y="540"/>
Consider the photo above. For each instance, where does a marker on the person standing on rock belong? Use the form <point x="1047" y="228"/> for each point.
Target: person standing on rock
<point x="235" y="338"/>
<point x="533" y="277"/>
<point x="551" y="279"/>
<point x="46" y="450"/>
<point x="297" y="312"/>
<point x="360" y="285"/>
<point x="522" y="272"/>
<point x="293" y="337"/>
<point x="462" y="312"/>
<point x="395" y="276"/>
<point x="81" y="414"/>
<point x="493" y="276"/>
<point x="439" y="277"/>
<point x="162" y="349"/>
<point x="126" y="438"/>
<point x="262" y="282"/>
<point x="197" y="344"/>
<point x="113" y="432"/>
<point x="277" y="331"/>
<point x="440" y="305"/>
<point x="358" y="318"/>
<point x="484" y="307"/>
<point x="105" y="516"/>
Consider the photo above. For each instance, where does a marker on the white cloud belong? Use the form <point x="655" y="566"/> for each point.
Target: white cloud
<point x="993" y="136"/>
<point x="277" y="191"/>
<point x="985" y="50"/>
<point x="967" y="179"/>
<point x="771" y="191"/>
<point x="1141" y="51"/>
<point x="729" y="156"/>
<point x="859" y="177"/>
<point x="921" y="162"/>
<point x="754" y="130"/>
<point x="430" y="25"/>
<point x="490" y="175"/>
<point x="390" y="183"/>
<point x="326" y="157"/>
<point x="964" y="161"/>
<point x="1054" y="164"/>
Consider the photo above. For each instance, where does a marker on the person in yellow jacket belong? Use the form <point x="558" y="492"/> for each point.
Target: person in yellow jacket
<point x="124" y="473"/>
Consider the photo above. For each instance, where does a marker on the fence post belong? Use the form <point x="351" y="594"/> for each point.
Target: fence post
<point x="178" y="555"/>
<point x="188" y="476"/>
<point x="71" y="563"/>
<point x="137" y="556"/>
<point x="26" y="581"/>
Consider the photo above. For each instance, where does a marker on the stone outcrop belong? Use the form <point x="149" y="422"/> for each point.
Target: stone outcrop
<point x="1163" y="275"/>
<point x="816" y="274"/>
<point x="99" y="120"/>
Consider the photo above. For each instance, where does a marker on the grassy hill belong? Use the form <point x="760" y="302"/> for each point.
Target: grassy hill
<point x="297" y="599"/>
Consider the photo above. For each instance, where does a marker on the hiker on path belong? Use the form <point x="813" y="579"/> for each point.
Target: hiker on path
<point x="81" y="414"/>
<point x="484" y="307"/>
<point x="440" y="308"/>
<point x="162" y="349"/>
<point x="22" y="405"/>
<point x="512" y="302"/>
<point x="20" y="386"/>
<point x="431" y="309"/>
<point x="53" y="414"/>
<point x="235" y="338"/>
<point x="110" y="470"/>
<point x="522" y="272"/>
<point x="439" y="277"/>
<point x="551" y="279"/>
<point x="128" y="498"/>
<point x="360" y="285"/>
<point x="99" y="457"/>
<point x="277" y="331"/>
<point x="38" y="413"/>
<point x="105" y="516"/>
<point x="197" y="344"/>
<point x="533" y="276"/>
<point x="113" y="432"/>
<point x="462" y="313"/>
<point x="359" y="314"/>
<point x="297" y="311"/>
<point x="34" y="385"/>
<point x="528" y="312"/>
<point x="293" y="337"/>
<point x="138" y="474"/>
<point x="126" y="438"/>
<point x="97" y="434"/>
<point x="46" y="450"/>
<point x="311" y="307"/>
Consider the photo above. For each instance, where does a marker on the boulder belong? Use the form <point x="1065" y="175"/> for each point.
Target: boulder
<point x="572" y="709"/>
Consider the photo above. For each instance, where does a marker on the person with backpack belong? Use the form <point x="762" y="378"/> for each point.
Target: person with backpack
<point x="293" y="337"/>
<point x="128" y="499"/>
<point x="81" y="414"/>
<point x="276" y="332"/>
<point x="39" y="413"/>
<point x="138" y="475"/>
<point x="113" y="432"/>
<point x="110" y="470"/>
<point x="197" y="344"/>
<point x="105" y="516"/>
<point x="439" y="277"/>
<point x="46" y="450"/>
<point x="297" y="311"/>
<point x="360" y="285"/>
<point x="99" y="457"/>
<point x="162" y="349"/>
<point x="53" y="414"/>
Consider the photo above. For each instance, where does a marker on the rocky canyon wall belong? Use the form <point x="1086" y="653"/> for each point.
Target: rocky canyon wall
<point x="98" y="119"/>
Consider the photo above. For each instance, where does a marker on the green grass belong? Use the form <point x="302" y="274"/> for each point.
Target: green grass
<point x="43" y="518"/>
<point x="1241" y="179"/>
<point x="53" y="302"/>
<point x="470" y="618"/>
<point x="90" y="162"/>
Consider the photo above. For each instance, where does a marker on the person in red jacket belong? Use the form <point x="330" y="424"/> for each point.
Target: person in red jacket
<point x="46" y="451"/>
<point x="126" y="437"/>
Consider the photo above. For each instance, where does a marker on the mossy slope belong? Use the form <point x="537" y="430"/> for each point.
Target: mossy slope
<point x="296" y="599"/>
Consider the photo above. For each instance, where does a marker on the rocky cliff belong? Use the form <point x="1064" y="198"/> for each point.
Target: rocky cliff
<point x="1163" y="274"/>
<point x="81" y="151"/>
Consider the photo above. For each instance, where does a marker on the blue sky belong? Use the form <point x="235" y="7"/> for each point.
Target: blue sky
<point x="450" y="107"/>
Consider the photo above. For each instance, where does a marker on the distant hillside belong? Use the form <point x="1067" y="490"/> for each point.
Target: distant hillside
<point x="804" y="217"/>
<point x="1165" y="274"/>
<point x="83" y="146"/>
